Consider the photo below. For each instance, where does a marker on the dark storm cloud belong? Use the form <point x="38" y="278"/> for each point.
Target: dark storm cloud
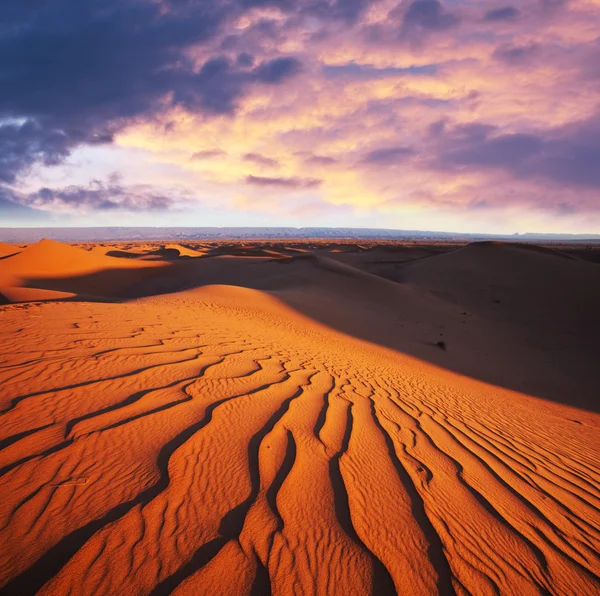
<point x="92" y="61"/>
<point x="283" y="182"/>
<point x="245" y="59"/>
<point x="76" y="71"/>
<point x="506" y="13"/>
<point x="22" y="144"/>
<point x="277" y="70"/>
<point x="568" y="155"/>
<point x="220" y="83"/>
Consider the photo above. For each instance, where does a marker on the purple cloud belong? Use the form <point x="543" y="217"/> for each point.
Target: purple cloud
<point x="428" y="15"/>
<point x="283" y="182"/>
<point x="515" y="55"/>
<point x="76" y="72"/>
<point x="101" y="197"/>
<point x="261" y="160"/>
<point x="567" y="155"/>
<point x="319" y="160"/>
<point x="506" y="13"/>
<point x="388" y="156"/>
<point x="207" y="154"/>
<point x="277" y="70"/>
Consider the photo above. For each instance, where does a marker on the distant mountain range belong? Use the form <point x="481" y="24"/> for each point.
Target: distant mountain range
<point x="111" y="234"/>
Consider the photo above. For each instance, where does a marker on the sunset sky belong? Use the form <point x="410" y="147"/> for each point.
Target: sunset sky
<point x="457" y="115"/>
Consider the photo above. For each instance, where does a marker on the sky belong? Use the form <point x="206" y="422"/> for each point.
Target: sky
<point x="463" y="115"/>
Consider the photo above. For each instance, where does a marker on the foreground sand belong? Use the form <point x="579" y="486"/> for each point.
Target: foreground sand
<point x="217" y="441"/>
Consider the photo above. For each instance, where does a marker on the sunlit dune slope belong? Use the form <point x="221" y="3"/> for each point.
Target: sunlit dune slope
<point x="7" y="250"/>
<point x="216" y="441"/>
<point x="184" y="251"/>
<point x="49" y="258"/>
<point x="32" y="273"/>
<point x="185" y="434"/>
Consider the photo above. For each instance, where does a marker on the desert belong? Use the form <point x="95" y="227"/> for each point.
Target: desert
<point x="310" y="417"/>
<point x="299" y="297"/>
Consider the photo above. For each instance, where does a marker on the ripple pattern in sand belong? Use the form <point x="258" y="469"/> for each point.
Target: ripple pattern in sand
<point x="199" y="446"/>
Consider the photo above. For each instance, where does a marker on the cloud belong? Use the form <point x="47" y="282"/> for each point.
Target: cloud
<point x="75" y="62"/>
<point x="207" y="154"/>
<point x="24" y="143"/>
<point x="261" y="160"/>
<point x="476" y="97"/>
<point x="277" y="70"/>
<point x="428" y="15"/>
<point x="338" y="10"/>
<point x="568" y="155"/>
<point x="14" y="213"/>
<point x="98" y="196"/>
<point x="77" y="72"/>
<point x="480" y="148"/>
<point x="572" y="154"/>
<point x="219" y="84"/>
<point x="283" y="182"/>
<point x="317" y="160"/>
<point x="370" y="72"/>
<point x="515" y="55"/>
<point x="506" y="13"/>
<point x="388" y="156"/>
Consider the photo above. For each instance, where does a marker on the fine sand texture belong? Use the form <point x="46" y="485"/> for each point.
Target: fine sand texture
<point x="314" y="419"/>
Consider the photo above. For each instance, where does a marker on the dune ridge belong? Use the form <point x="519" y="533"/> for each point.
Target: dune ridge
<point x="220" y="440"/>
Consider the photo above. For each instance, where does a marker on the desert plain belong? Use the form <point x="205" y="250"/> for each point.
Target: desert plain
<point x="299" y="418"/>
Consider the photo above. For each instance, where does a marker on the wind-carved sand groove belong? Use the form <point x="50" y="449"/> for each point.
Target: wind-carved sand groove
<point x="217" y="442"/>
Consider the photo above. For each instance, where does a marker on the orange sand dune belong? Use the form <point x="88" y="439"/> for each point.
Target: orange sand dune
<point x="210" y="438"/>
<point x="53" y="259"/>
<point x="184" y="251"/>
<point x="6" y="250"/>
<point x="29" y="275"/>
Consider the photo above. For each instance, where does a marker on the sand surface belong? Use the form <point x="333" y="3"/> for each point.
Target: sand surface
<point x="260" y="419"/>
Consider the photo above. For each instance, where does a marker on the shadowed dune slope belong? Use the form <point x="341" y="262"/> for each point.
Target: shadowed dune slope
<point x="218" y="441"/>
<point x="526" y="284"/>
<point x="520" y="317"/>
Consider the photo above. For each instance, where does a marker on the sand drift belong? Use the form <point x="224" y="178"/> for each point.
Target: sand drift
<point x="248" y="424"/>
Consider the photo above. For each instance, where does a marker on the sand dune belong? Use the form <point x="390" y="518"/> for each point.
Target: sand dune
<point x="521" y="317"/>
<point x="202" y="437"/>
<point x="6" y="250"/>
<point x="32" y="274"/>
<point x="55" y="259"/>
<point x="527" y="284"/>
<point x="184" y="251"/>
